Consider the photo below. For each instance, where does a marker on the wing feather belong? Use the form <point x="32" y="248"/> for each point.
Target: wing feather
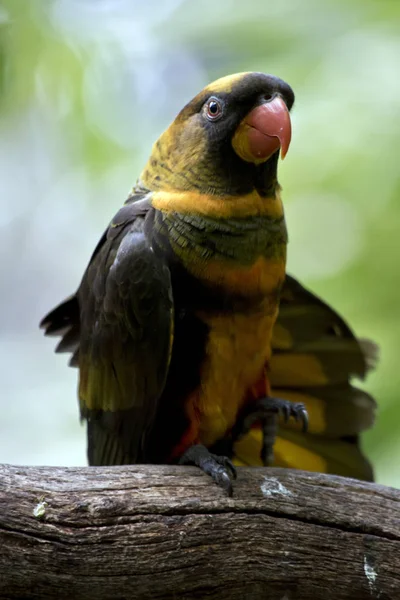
<point x="119" y="327"/>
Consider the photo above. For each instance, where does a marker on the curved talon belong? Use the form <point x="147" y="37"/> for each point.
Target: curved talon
<point x="224" y="481"/>
<point x="286" y="409"/>
<point x="304" y="418"/>
<point x="227" y="463"/>
<point x="220" y="468"/>
<point x="266" y="411"/>
<point x="300" y="414"/>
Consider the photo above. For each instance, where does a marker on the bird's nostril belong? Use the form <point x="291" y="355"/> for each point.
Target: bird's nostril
<point x="268" y="96"/>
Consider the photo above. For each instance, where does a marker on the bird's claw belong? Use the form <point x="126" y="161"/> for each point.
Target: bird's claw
<point x="220" y="468"/>
<point x="288" y="410"/>
<point x="265" y="411"/>
<point x="277" y="406"/>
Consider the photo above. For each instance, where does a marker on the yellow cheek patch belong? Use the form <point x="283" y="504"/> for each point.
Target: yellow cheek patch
<point x="240" y="144"/>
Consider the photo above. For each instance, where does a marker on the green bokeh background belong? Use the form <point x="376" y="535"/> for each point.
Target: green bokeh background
<point x="86" y="86"/>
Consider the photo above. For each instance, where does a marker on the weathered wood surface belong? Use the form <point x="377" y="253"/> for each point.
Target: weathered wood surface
<point x="168" y="532"/>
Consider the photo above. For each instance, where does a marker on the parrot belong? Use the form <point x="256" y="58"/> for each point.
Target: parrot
<point x="193" y="344"/>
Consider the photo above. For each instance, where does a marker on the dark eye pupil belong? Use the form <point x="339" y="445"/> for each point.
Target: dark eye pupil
<point x="213" y="108"/>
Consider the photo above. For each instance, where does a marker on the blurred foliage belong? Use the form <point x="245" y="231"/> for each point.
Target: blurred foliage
<point x="86" y="87"/>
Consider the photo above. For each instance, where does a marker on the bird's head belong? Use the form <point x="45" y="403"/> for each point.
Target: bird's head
<point x="227" y="140"/>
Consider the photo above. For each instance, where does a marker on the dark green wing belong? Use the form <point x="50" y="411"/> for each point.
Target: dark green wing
<point x="122" y="337"/>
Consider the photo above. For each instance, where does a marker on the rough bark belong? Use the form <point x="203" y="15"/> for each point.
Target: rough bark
<point x="168" y="532"/>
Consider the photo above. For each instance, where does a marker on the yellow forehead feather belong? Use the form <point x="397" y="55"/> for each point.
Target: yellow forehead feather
<point x="225" y="84"/>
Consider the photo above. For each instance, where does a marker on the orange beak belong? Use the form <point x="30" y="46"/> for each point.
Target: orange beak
<point x="263" y="131"/>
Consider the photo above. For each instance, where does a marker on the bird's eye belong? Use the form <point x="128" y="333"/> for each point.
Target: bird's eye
<point x="213" y="109"/>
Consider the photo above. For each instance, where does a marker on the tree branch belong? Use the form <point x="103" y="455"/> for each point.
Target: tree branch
<point x="169" y="532"/>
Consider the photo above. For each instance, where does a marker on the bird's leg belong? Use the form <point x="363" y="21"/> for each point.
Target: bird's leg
<point x="266" y="412"/>
<point x="218" y="467"/>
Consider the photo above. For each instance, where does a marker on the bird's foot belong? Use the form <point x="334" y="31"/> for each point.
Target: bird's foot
<point x="220" y="468"/>
<point x="266" y="411"/>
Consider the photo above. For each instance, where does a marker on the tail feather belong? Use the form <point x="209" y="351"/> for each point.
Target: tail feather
<point x="70" y="340"/>
<point x="74" y="360"/>
<point x="334" y="410"/>
<point x="64" y="321"/>
<point x="327" y="362"/>
<point x="300" y="451"/>
<point x="370" y="352"/>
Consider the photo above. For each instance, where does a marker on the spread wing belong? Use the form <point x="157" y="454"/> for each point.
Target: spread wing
<point x="119" y="327"/>
<point x="315" y="356"/>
